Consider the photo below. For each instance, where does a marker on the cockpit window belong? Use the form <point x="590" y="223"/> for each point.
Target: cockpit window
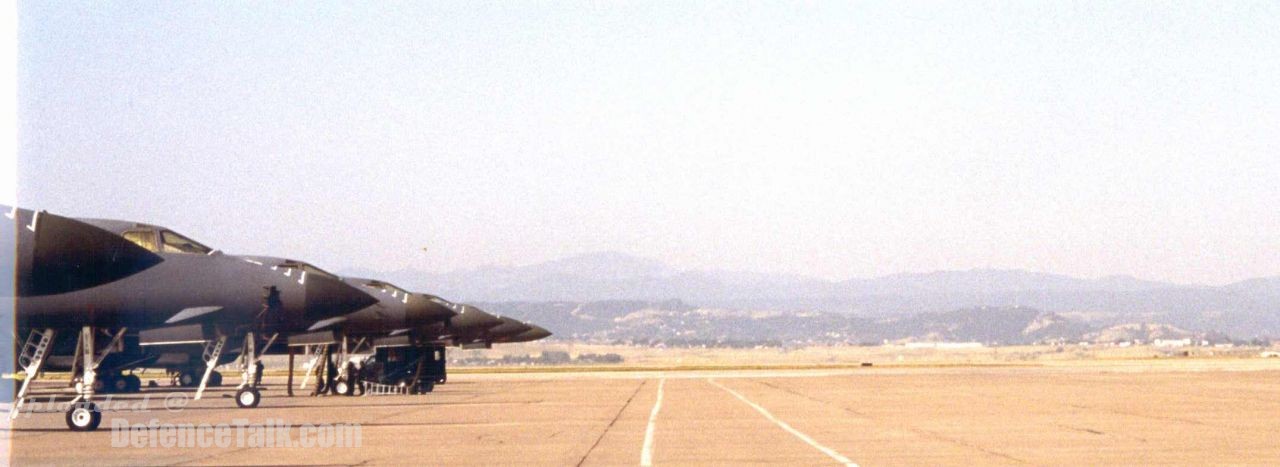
<point x="143" y="238"/>
<point x="309" y="269"/>
<point x="315" y="270"/>
<point x="385" y="287"/>
<point x="174" y="243"/>
<point x="445" y="303"/>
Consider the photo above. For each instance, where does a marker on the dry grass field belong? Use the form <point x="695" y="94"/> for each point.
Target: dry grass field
<point x="888" y="355"/>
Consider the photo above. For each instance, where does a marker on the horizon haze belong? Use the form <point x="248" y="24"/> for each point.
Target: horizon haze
<point x="829" y="139"/>
<point x="608" y="259"/>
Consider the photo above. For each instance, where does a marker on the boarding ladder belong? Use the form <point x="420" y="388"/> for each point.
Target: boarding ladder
<point x="32" y="362"/>
<point x="312" y="367"/>
<point x="34" y="351"/>
<point x="212" y="352"/>
<point x="379" y="389"/>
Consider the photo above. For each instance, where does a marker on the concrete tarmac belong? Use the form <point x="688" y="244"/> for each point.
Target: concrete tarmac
<point x="916" y="416"/>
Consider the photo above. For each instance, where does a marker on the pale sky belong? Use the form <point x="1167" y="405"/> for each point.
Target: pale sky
<point x="834" y="139"/>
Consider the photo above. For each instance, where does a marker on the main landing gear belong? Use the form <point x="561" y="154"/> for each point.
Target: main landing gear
<point x="121" y="383"/>
<point x="190" y="378"/>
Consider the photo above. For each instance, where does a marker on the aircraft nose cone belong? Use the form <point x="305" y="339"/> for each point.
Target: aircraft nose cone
<point x="51" y="254"/>
<point x="328" y="297"/>
<point x="534" y="333"/>
<point x="509" y="328"/>
<point x="538" y="332"/>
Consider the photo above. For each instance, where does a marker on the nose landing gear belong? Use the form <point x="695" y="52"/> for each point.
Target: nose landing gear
<point x="83" y="416"/>
<point x="248" y="397"/>
<point x="249" y="394"/>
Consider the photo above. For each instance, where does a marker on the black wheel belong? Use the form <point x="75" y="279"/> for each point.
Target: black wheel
<point x="248" y="398"/>
<point x="100" y="384"/>
<point x="425" y="387"/>
<point x="83" y="416"/>
<point x="215" y="379"/>
<point x="132" y="383"/>
<point x="442" y="379"/>
<point x="118" y="384"/>
<point x="187" y="379"/>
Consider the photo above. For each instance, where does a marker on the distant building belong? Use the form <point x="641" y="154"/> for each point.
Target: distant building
<point x="554" y="357"/>
<point x="1171" y="342"/>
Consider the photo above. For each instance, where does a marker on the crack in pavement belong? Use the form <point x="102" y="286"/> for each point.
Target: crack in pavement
<point x="611" y="422"/>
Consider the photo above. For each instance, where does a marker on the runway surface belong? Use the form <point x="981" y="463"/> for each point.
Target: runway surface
<point x="1003" y="416"/>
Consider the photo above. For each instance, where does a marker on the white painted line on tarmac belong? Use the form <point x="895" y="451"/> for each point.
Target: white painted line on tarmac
<point x="646" y="453"/>
<point x="803" y="437"/>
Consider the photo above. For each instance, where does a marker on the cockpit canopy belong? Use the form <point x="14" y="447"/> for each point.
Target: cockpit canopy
<point x="445" y="303"/>
<point x="165" y="241"/>
<point x="309" y="268"/>
<point x="385" y="287"/>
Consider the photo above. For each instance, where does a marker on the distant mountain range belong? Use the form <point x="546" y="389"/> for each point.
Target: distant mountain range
<point x="1246" y="309"/>
<point x="675" y="323"/>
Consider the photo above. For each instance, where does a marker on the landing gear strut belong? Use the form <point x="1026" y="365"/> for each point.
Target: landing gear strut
<point x="248" y="395"/>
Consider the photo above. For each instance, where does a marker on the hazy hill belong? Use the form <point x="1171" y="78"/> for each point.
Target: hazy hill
<point x="677" y="323"/>
<point x="617" y="276"/>
<point x="988" y="282"/>
<point x="603" y="276"/>
<point x="1246" y="309"/>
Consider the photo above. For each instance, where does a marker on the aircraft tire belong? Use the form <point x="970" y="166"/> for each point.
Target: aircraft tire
<point x="187" y="379"/>
<point x="119" y="384"/>
<point x="248" y="398"/>
<point x="83" y="416"/>
<point x="100" y="385"/>
<point x="215" y="379"/>
<point x="347" y="385"/>
<point x="132" y="383"/>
